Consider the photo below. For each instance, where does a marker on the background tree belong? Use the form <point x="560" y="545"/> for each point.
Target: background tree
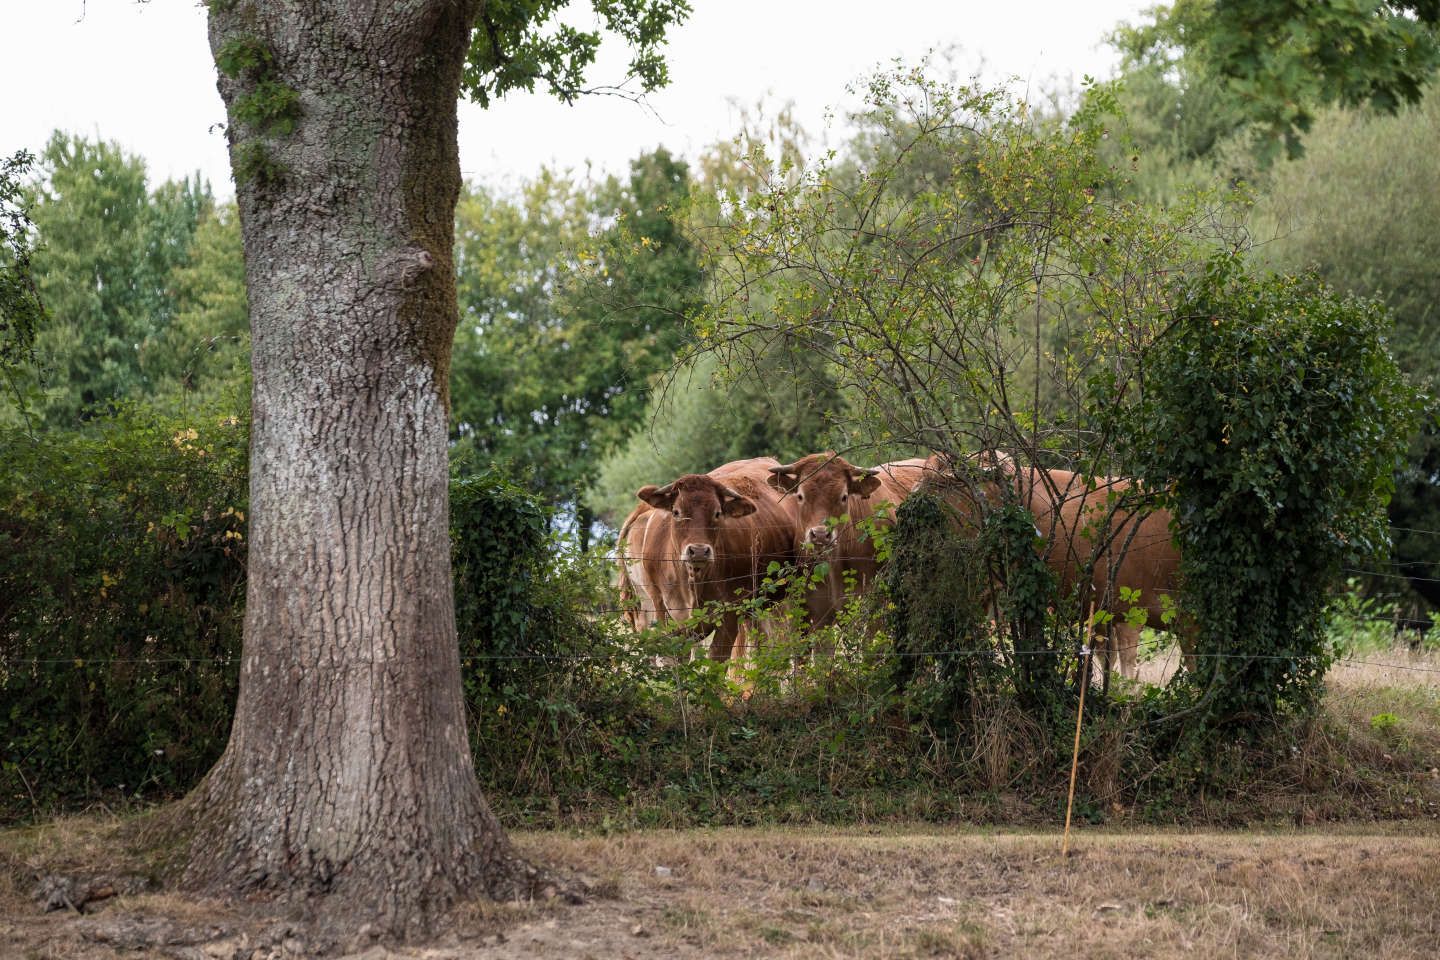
<point x="782" y="406"/>
<point x="346" y="780"/>
<point x="21" y="312"/>
<point x="1281" y="60"/>
<point x="1199" y="106"/>
<point x="573" y="299"/>
<point x="1181" y="127"/>
<point x="204" y="350"/>
<point x="108" y="290"/>
<point x="1376" y="238"/>
<point x="700" y="415"/>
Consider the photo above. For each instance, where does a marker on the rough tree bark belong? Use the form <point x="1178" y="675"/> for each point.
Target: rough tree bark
<point x="348" y="777"/>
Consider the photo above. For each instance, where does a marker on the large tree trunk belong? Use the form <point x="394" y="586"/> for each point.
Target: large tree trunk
<point x="348" y="777"/>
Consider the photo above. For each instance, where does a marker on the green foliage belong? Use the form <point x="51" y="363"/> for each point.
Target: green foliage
<point x="1385" y="724"/>
<point x="1415" y="513"/>
<point x="1357" y="624"/>
<point x="984" y="279"/>
<point x="518" y="43"/>
<point x="1281" y="60"/>
<point x="120" y="617"/>
<point x="270" y="107"/>
<point x="699" y="419"/>
<point x="122" y="585"/>
<point x="21" y="312"/>
<point x="203" y="353"/>
<point x="1275" y="417"/>
<point x="241" y="55"/>
<point x="122" y="588"/>
<point x="1360" y="209"/>
<point x="1181" y="127"/>
<point x="109" y="292"/>
<point x="565" y="323"/>
<point x="515" y="607"/>
<point x="267" y="107"/>
<point x="936" y="582"/>
<point x="955" y="307"/>
<point x="254" y="162"/>
<point x="957" y="564"/>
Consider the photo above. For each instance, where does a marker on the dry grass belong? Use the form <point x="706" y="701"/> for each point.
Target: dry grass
<point x="908" y="894"/>
<point x="894" y="894"/>
<point x="1395" y="667"/>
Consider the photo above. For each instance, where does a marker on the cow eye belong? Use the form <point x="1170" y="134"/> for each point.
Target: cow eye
<point x="800" y="495"/>
<point x="677" y="514"/>
<point x="717" y="514"/>
<point x="844" y="497"/>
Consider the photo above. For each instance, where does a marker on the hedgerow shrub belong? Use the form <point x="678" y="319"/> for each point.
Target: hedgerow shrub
<point x="519" y="594"/>
<point x="1275" y="419"/>
<point x="122" y="590"/>
<point x="122" y="581"/>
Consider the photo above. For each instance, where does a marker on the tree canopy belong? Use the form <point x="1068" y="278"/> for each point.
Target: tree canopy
<point x="21" y="312"/>
<point x="573" y="299"/>
<point x="1282" y="60"/>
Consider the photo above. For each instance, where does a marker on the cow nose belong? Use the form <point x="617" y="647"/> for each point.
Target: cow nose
<point x="820" y="536"/>
<point x="699" y="553"/>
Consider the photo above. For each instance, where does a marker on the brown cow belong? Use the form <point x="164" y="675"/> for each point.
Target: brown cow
<point x="708" y="538"/>
<point x="640" y="611"/>
<point x="1084" y="519"/>
<point x="831" y="499"/>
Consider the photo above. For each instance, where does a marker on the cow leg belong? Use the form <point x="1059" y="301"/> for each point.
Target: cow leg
<point x="1102" y="645"/>
<point x="723" y="643"/>
<point x="1125" y="639"/>
<point x="742" y="646"/>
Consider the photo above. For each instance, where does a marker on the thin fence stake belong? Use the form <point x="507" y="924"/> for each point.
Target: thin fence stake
<point x="1079" y="716"/>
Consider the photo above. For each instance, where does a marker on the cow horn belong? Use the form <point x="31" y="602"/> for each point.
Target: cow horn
<point x="731" y="492"/>
<point x="787" y="468"/>
<point x="872" y="471"/>
<point x="665" y="490"/>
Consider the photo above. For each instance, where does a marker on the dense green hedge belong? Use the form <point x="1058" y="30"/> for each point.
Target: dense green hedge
<point x="122" y="590"/>
<point x="122" y="582"/>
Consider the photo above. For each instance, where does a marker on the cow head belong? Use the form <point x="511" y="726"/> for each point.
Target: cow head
<point x="698" y="505"/>
<point x="996" y="462"/>
<point x="824" y="487"/>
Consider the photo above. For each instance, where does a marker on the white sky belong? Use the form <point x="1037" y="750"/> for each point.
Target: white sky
<point x="142" y="75"/>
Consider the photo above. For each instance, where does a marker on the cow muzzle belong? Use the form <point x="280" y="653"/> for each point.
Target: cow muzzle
<point x="697" y="556"/>
<point x="820" y="538"/>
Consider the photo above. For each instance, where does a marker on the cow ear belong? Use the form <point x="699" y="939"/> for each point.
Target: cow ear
<point x="661" y="498"/>
<point x="735" y="505"/>
<point x="783" y="479"/>
<point x="865" y="482"/>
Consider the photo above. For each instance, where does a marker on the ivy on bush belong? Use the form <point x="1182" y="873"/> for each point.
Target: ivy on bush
<point x="949" y="572"/>
<point x="1275" y="417"/>
<point x="512" y="606"/>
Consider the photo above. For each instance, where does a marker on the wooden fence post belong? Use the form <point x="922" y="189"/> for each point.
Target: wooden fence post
<point x="1079" y="716"/>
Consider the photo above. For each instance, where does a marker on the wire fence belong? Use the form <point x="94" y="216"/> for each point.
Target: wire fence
<point x="632" y="656"/>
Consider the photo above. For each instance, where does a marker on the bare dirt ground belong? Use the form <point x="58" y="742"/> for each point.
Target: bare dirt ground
<point x="885" y="893"/>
